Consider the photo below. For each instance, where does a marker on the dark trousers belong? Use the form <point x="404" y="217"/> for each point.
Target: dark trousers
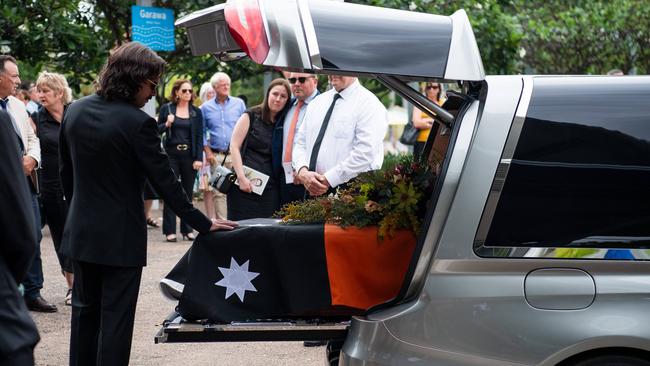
<point x="33" y="281"/>
<point x="22" y="357"/>
<point x="103" y="310"/>
<point x="181" y="162"/>
<point x="54" y="211"/>
<point x="291" y="192"/>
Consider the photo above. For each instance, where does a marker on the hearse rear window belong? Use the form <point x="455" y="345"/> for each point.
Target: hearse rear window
<point x="580" y="174"/>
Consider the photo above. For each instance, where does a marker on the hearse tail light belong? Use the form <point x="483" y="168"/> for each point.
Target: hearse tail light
<point x="244" y="18"/>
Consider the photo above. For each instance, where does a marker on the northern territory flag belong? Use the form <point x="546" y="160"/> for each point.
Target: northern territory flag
<point x="268" y="270"/>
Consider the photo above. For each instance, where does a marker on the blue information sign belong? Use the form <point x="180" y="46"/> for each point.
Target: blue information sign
<point x="153" y="27"/>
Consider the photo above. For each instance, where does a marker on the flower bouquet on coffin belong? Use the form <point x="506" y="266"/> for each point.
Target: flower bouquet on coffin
<point x="392" y="198"/>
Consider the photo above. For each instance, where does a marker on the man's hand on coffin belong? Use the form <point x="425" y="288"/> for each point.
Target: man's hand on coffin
<point x="219" y="224"/>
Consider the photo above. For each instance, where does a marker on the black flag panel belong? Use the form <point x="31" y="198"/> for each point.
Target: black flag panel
<point x="261" y="270"/>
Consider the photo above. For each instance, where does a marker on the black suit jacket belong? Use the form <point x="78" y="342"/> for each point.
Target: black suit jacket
<point x="197" y="127"/>
<point x="107" y="150"/>
<point x="17" y="243"/>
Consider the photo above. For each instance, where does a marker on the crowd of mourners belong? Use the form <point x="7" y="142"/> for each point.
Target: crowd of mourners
<point x="91" y="168"/>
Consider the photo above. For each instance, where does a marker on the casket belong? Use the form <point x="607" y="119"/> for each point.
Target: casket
<point x="269" y="270"/>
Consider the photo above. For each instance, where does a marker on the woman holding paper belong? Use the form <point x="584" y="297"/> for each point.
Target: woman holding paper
<point x="257" y="192"/>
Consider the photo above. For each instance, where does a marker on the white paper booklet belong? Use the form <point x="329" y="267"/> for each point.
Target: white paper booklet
<point x="257" y="178"/>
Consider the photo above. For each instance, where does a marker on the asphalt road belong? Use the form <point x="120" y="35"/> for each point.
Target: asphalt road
<point x="151" y="311"/>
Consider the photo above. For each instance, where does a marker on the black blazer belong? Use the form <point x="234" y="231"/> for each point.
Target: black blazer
<point x="197" y="126"/>
<point x="107" y="150"/>
<point x="17" y="243"/>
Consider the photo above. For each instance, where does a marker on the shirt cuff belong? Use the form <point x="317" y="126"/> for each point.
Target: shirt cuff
<point x="333" y="177"/>
<point x="38" y="162"/>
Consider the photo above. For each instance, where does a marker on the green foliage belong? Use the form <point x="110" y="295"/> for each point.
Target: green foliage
<point x="391" y="198"/>
<point x="586" y="37"/>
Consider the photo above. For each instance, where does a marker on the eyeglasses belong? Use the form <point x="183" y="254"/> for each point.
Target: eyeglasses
<point x="153" y="84"/>
<point x="186" y="91"/>
<point x="431" y="86"/>
<point x="301" y="79"/>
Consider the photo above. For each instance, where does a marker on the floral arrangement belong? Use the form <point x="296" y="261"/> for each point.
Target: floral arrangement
<point x="392" y="198"/>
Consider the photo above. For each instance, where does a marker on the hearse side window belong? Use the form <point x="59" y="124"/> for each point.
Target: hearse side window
<point x="580" y="174"/>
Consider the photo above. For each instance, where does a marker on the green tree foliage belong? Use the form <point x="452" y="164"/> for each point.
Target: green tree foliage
<point x="585" y="37"/>
<point x="74" y="37"/>
<point x="57" y="35"/>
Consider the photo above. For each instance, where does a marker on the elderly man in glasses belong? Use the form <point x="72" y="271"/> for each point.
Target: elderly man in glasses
<point x="304" y="89"/>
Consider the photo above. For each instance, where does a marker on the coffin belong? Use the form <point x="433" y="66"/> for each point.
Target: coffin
<point x="268" y="270"/>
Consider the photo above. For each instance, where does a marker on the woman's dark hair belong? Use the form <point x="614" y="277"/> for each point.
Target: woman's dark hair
<point x="264" y="107"/>
<point x="128" y="66"/>
<point x="176" y="87"/>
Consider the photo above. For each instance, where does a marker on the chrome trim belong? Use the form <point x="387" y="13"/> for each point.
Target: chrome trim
<point x="447" y="193"/>
<point x="288" y="47"/>
<point x="310" y="35"/>
<point x="464" y="60"/>
<point x="504" y="164"/>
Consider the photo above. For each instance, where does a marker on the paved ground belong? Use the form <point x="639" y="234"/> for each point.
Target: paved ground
<point x="152" y="309"/>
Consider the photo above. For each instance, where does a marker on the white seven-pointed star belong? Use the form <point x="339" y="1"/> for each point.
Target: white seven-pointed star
<point x="237" y="279"/>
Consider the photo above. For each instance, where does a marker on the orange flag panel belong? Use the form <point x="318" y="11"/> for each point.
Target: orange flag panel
<point x="362" y="270"/>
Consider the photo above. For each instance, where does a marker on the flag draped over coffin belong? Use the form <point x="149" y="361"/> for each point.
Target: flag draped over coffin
<point x="267" y="270"/>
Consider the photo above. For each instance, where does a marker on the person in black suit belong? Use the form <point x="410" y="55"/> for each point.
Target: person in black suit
<point x="108" y="147"/>
<point x="18" y="334"/>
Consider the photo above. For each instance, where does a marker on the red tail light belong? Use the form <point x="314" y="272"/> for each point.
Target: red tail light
<point x="244" y="18"/>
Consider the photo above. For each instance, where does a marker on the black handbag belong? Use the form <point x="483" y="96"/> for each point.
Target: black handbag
<point x="223" y="178"/>
<point x="409" y="135"/>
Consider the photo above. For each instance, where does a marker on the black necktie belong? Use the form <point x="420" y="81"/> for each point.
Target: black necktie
<point x="321" y="133"/>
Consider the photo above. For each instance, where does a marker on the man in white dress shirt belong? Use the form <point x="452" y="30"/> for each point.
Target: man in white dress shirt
<point x="351" y="143"/>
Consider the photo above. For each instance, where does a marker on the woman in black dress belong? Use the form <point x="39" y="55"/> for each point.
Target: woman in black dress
<point x="54" y="96"/>
<point x="182" y="124"/>
<point x="250" y="145"/>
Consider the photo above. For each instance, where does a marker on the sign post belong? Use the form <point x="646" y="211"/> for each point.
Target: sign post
<point x="153" y="27"/>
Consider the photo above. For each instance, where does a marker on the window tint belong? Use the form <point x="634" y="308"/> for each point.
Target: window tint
<point x="580" y="174"/>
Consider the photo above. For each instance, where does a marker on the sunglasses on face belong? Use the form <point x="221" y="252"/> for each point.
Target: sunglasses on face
<point x="301" y="79"/>
<point x="430" y="86"/>
<point x="186" y="91"/>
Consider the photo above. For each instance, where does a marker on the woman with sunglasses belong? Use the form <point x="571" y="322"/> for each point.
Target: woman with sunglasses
<point x="181" y="123"/>
<point x="423" y="121"/>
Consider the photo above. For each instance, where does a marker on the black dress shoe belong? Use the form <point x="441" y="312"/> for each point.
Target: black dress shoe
<point x="40" y="304"/>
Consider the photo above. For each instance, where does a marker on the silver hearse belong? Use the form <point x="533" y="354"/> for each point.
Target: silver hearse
<point x="534" y="250"/>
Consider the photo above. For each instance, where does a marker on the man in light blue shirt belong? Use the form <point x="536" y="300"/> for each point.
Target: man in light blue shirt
<point x="220" y="115"/>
